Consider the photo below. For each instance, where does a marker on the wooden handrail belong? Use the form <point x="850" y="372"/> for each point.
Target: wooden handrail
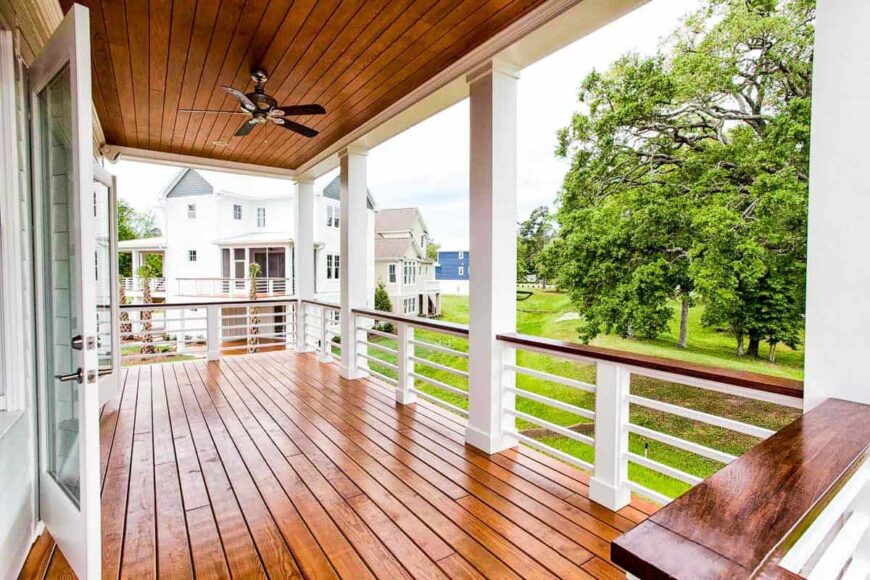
<point x="755" y="381"/>
<point x="449" y="327"/>
<point x="319" y="303"/>
<point x="203" y="304"/>
<point x="736" y="523"/>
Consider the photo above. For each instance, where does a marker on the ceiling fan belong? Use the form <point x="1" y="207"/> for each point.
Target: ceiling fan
<point x="262" y="108"/>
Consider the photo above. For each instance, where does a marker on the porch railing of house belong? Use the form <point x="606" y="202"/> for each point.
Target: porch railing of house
<point x="322" y="328"/>
<point x="205" y="329"/>
<point x="138" y="284"/>
<point x="419" y="357"/>
<point x="433" y="286"/>
<point x="234" y="287"/>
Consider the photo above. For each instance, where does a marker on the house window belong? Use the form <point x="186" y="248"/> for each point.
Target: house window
<point x="237" y="212"/>
<point x="191" y="255"/>
<point x="409" y="305"/>
<point x="261" y="217"/>
<point x="460" y="254"/>
<point x="332" y="216"/>
<point x="461" y="271"/>
<point x="410" y="273"/>
<point x="391" y="274"/>
<point x="333" y="266"/>
<point x="191" y="211"/>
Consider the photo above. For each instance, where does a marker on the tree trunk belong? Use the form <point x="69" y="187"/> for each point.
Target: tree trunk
<point x="253" y="313"/>
<point x="684" y="323"/>
<point x="145" y="316"/>
<point x="740" y="351"/>
<point x="754" y="342"/>
<point x="771" y="356"/>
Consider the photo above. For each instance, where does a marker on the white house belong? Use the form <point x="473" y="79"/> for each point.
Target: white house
<point x="401" y="263"/>
<point x="211" y="234"/>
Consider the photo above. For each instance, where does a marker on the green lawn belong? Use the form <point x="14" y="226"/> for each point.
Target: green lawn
<point x="539" y="316"/>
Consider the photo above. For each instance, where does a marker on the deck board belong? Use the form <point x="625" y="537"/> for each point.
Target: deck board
<point x="271" y="465"/>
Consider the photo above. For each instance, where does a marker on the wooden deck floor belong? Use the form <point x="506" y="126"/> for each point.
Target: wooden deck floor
<point x="271" y="465"/>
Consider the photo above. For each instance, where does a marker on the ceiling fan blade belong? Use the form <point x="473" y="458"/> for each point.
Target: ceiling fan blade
<point x="210" y="111"/>
<point x="246" y="128"/>
<point x="295" y="127"/>
<point x="301" y="110"/>
<point x="242" y="98"/>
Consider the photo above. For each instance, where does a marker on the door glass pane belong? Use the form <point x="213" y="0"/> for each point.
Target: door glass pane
<point x="103" y="264"/>
<point x="57" y="224"/>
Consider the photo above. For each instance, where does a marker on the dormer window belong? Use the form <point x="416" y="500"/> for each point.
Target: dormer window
<point x="237" y="212"/>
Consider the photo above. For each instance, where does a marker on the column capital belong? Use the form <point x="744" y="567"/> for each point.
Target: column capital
<point x="491" y="66"/>
<point x="306" y="178"/>
<point x="353" y="150"/>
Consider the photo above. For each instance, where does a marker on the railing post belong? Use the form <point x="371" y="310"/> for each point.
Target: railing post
<point x="405" y="346"/>
<point x="325" y="349"/>
<point x="608" y="484"/>
<point x="179" y="335"/>
<point x="213" y="332"/>
<point x="301" y="340"/>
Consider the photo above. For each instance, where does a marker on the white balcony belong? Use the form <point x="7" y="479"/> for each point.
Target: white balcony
<point x="233" y="287"/>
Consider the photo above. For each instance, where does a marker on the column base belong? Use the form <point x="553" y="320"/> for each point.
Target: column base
<point x="487" y="442"/>
<point x="351" y="374"/>
<point x="405" y="398"/>
<point x="611" y="497"/>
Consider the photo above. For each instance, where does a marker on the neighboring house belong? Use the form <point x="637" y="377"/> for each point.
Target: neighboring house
<point x="211" y="236"/>
<point x="401" y="238"/>
<point x="452" y="272"/>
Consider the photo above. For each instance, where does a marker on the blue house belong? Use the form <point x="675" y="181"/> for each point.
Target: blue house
<point x="452" y="265"/>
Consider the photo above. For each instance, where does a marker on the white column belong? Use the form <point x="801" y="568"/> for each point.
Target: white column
<point x="493" y="248"/>
<point x="608" y="484"/>
<point x="353" y="255"/>
<point x="838" y="268"/>
<point x="304" y="254"/>
<point x="135" y="262"/>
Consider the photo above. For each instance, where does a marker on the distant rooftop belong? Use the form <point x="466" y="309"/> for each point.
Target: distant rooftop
<point x="333" y="191"/>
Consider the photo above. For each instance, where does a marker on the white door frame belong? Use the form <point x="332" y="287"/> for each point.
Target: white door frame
<point x="110" y="383"/>
<point x="75" y="528"/>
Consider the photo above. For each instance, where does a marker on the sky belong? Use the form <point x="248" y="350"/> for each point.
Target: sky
<point x="427" y="165"/>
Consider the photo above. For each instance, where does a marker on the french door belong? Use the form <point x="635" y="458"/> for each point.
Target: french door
<point x="68" y="273"/>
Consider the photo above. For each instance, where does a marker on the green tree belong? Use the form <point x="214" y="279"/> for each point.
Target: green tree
<point x="384" y="304"/>
<point x="533" y="235"/>
<point x="688" y="178"/>
<point x="135" y="225"/>
<point x="432" y="251"/>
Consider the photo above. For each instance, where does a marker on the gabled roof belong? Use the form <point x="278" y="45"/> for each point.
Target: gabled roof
<point x="398" y="219"/>
<point x="391" y="248"/>
<point x="333" y="191"/>
<point x="189" y="182"/>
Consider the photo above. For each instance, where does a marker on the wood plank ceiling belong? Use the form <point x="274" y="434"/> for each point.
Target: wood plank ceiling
<point x="354" y="57"/>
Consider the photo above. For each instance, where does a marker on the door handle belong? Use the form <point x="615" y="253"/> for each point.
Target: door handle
<point x="76" y="376"/>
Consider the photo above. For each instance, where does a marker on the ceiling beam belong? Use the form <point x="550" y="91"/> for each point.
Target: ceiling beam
<point x="114" y="152"/>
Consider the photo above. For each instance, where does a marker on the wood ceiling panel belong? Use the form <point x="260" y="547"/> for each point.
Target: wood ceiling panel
<point x="354" y="57"/>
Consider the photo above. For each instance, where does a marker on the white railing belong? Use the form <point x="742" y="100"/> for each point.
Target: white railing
<point x="234" y="287"/>
<point x="138" y="284"/>
<point x="433" y="286"/>
<point x="837" y="543"/>
<point x="320" y="329"/>
<point x="600" y="415"/>
<point x="205" y="329"/>
<point x="419" y="357"/>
